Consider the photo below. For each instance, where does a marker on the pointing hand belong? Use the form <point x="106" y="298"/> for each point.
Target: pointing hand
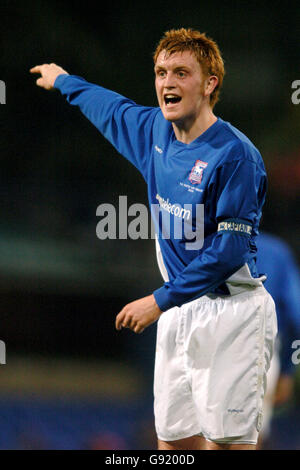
<point x="49" y="73"/>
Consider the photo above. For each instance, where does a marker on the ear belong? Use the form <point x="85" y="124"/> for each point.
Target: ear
<point x="210" y="84"/>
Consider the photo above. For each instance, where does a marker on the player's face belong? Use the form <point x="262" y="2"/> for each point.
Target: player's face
<point x="179" y="83"/>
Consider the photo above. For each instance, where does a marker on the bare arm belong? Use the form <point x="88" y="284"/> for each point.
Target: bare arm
<point x="49" y="73"/>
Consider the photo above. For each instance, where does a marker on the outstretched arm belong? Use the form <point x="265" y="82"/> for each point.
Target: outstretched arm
<point x="126" y="125"/>
<point x="49" y="73"/>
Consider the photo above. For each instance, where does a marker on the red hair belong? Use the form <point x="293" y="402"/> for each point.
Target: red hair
<point x="204" y="48"/>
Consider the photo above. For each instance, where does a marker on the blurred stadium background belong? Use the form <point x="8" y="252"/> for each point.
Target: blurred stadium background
<point x="70" y="380"/>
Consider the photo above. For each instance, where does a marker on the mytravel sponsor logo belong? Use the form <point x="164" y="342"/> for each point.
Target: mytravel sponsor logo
<point x="168" y="220"/>
<point x="174" y="209"/>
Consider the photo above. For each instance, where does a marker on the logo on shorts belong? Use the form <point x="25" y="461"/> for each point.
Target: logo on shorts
<point x="195" y="176"/>
<point x="234" y="410"/>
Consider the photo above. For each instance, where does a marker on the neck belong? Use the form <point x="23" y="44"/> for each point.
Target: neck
<point x="186" y="132"/>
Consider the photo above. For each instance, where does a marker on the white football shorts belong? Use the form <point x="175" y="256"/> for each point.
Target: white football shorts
<point x="272" y="379"/>
<point x="212" y="357"/>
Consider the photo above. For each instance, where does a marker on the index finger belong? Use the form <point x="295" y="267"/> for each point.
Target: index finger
<point x="36" y="69"/>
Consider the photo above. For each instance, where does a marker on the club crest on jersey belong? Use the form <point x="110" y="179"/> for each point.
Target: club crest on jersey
<point x="195" y="176"/>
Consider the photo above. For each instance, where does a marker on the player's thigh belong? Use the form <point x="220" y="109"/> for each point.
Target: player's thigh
<point x="214" y="446"/>
<point x="200" y="443"/>
<point x="188" y="443"/>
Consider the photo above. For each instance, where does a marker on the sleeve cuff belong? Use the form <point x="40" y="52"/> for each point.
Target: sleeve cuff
<point x="60" y="80"/>
<point x="162" y="298"/>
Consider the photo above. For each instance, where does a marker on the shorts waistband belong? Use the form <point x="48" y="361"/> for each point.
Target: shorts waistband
<point x="257" y="290"/>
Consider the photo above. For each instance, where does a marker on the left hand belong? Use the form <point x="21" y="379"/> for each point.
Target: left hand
<point x="139" y="314"/>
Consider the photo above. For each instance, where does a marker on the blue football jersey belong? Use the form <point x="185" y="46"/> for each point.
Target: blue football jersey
<point x="215" y="186"/>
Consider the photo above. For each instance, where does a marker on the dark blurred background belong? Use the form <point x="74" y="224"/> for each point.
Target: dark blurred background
<point x="61" y="287"/>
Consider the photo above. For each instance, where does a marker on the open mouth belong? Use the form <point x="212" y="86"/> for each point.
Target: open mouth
<point x="171" y="99"/>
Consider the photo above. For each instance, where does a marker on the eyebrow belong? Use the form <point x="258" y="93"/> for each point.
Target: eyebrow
<point x="177" y="67"/>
